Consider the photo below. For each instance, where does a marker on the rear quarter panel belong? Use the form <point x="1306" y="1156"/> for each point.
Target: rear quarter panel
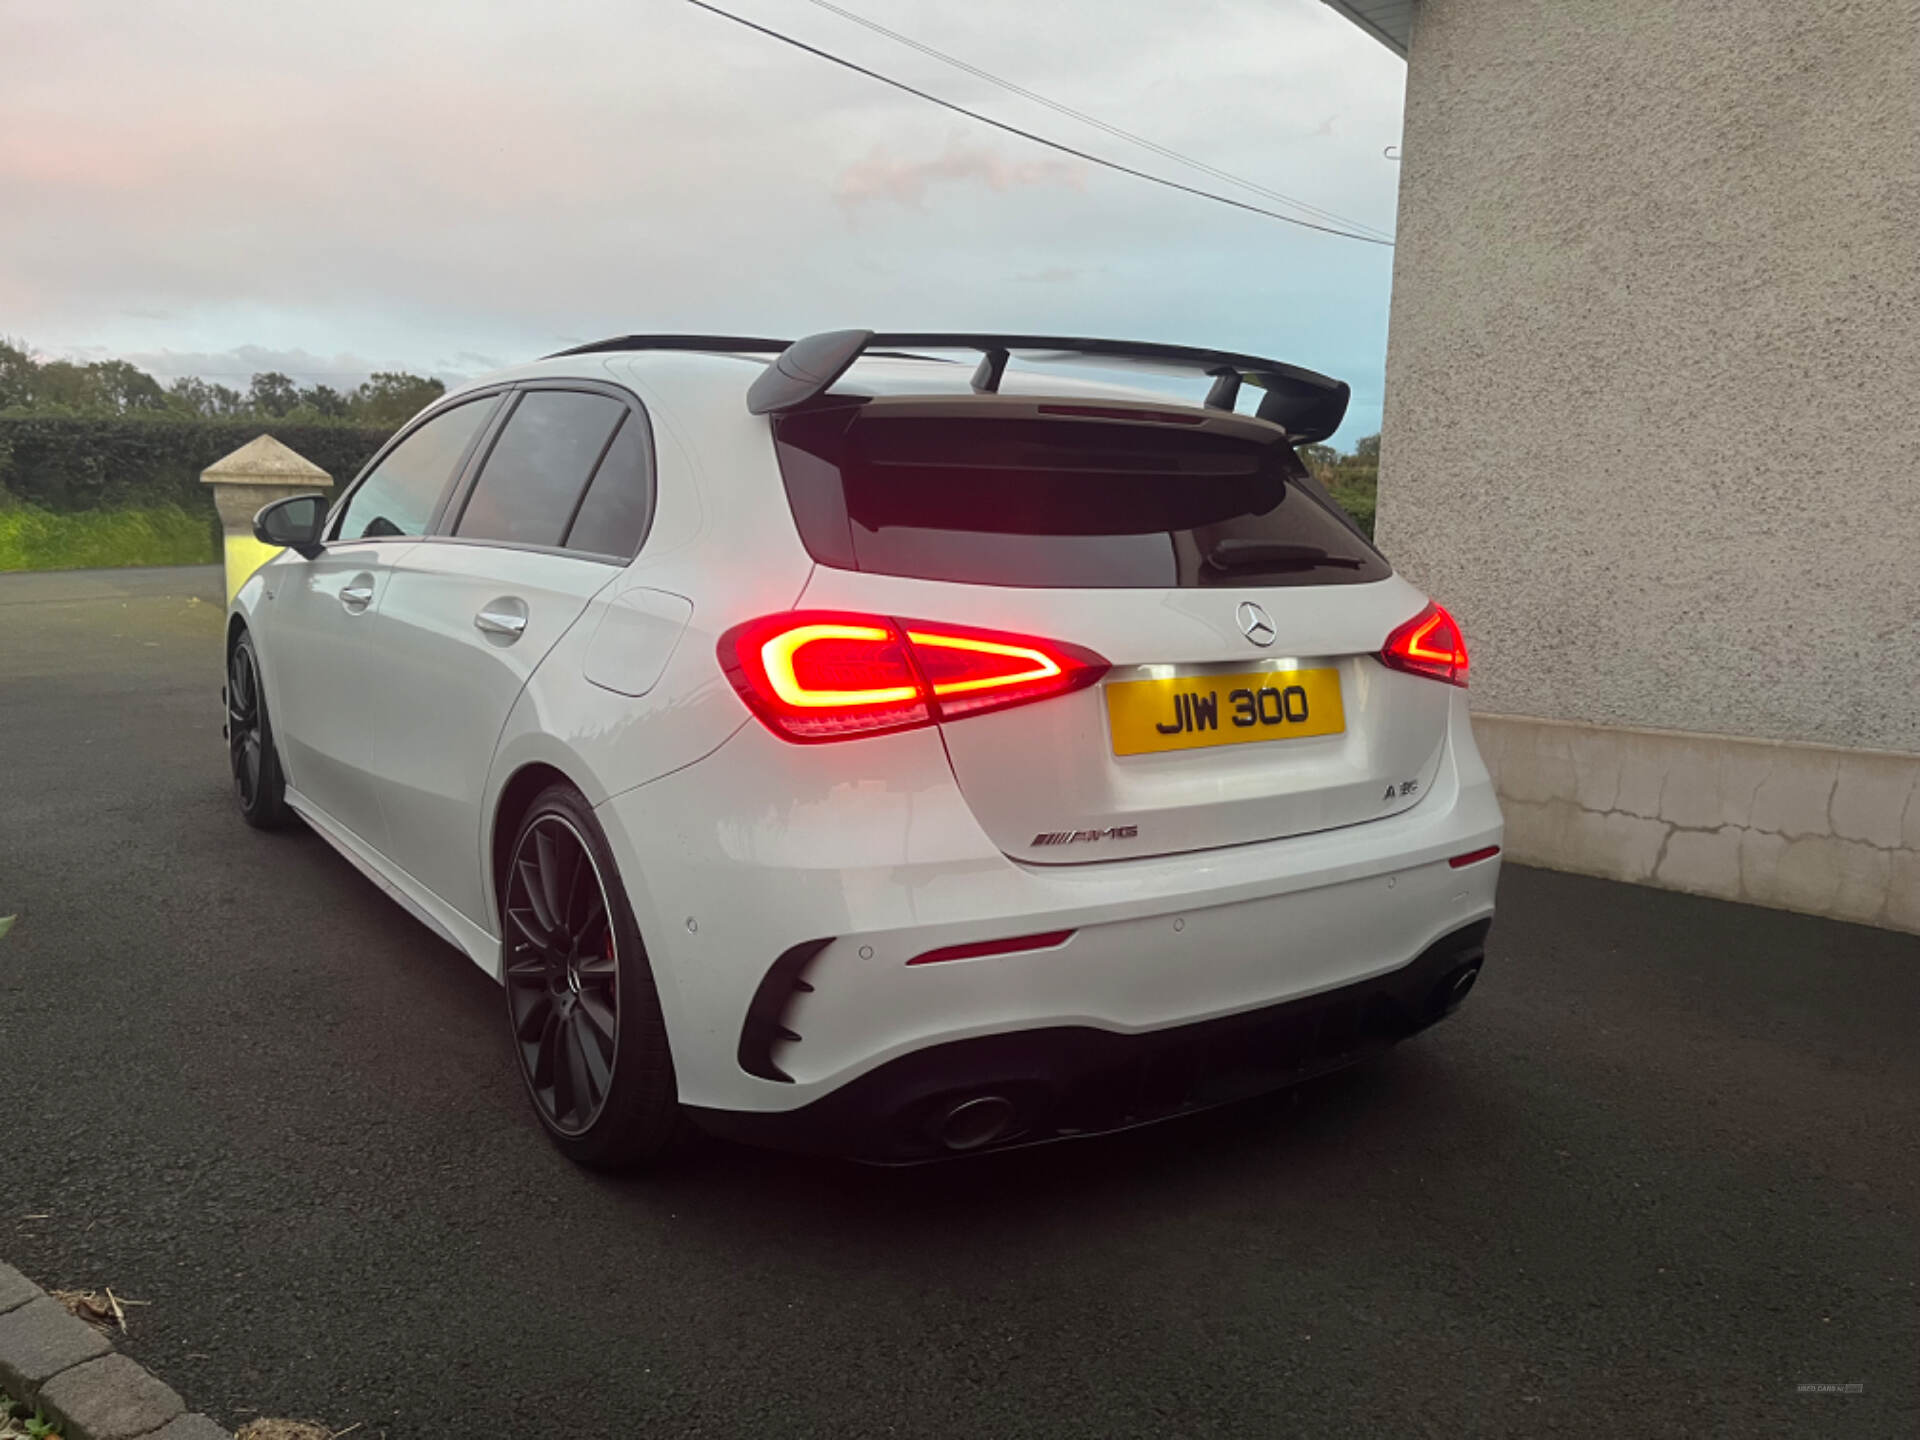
<point x="721" y="548"/>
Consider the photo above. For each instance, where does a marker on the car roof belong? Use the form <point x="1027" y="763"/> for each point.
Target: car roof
<point x="718" y="373"/>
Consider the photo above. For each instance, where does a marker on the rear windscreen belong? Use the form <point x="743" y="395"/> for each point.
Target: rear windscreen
<point x="1072" y="496"/>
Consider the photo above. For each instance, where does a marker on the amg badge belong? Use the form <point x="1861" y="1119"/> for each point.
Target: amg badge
<point x="1078" y="837"/>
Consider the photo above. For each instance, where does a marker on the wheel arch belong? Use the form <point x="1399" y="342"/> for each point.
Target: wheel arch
<point x="237" y="625"/>
<point x="516" y="797"/>
<point x="241" y="619"/>
<point x="528" y="775"/>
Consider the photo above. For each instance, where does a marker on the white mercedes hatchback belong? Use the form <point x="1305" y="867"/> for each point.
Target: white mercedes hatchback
<point x="848" y="748"/>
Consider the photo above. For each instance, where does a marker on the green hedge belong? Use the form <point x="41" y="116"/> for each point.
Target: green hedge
<point x="68" y="463"/>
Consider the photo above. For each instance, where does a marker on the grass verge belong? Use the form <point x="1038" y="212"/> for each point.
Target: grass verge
<point x="36" y="539"/>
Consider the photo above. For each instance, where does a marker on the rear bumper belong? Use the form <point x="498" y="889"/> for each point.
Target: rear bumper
<point x="1031" y="1086"/>
<point x="781" y="898"/>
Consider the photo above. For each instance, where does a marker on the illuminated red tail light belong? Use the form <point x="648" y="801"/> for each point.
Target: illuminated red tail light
<point x="828" y="675"/>
<point x="1429" y="644"/>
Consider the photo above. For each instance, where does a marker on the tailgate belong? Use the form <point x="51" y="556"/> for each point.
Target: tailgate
<point x="1048" y="781"/>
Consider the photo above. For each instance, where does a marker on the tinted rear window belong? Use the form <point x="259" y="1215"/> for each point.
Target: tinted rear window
<point x="613" y="516"/>
<point x="1071" y="498"/>
<point x="532" y="482"/>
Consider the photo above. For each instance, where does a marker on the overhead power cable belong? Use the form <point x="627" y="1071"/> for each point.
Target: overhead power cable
<point x="1029" y="135"/>
<point x="1094" y="120"/>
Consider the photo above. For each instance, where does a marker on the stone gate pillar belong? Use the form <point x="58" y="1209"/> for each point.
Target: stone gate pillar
<point x="259" y="471"/>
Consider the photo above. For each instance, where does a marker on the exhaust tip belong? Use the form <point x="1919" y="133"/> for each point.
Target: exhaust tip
<point x="974" y="1123"/>
<point x="1450" y="990"/>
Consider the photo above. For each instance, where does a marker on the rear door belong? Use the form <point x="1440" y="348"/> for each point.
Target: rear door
<point x="557" y="507"/>
<point x="1240" y="610"/>
<point x="324" y="647"/>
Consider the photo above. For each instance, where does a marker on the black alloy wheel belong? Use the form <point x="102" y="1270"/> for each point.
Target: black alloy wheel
<point x="563" y="974"/>
<point x="587" y="1026"/>
<point x="257" y="782"/>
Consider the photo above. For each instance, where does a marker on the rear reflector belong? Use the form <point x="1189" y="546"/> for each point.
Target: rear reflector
<point x="814" y="675"/>
<point x="1429" y="644"/>
<point x="994" y="947"/>
<point x="1474" y="857"/>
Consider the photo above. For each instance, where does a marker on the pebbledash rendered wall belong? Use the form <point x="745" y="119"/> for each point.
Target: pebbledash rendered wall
<point x="1653" y="430"/>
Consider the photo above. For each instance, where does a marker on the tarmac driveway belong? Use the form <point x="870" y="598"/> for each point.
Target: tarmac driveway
<point x="1658" y="1173"/>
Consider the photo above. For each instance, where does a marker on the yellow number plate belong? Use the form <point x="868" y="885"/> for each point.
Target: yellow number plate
<point x="1195" y="711"/>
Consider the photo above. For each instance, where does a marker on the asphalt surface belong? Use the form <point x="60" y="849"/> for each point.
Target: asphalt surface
<point x="1660" y="1171"/>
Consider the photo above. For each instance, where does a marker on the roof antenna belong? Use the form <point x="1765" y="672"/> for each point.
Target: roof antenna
<point x="986" y="376"/>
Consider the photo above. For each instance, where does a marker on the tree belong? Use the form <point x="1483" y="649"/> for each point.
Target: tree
<point x="103" y="386"/>
<point x="324" y="400"/>
<point x="124" y="388"/>
<point x="272" y="393"/>
<point x="1319" y="459"/>
<point x="61" y="385"/>
<point x="391" y="397"/>
<point x="1352" y="480"/>
<point x="196" y="397"/>
<point x="16" y="376"/>
<point x="115" y="387"/>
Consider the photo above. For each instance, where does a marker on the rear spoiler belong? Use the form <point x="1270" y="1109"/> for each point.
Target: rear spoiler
<point x="1307" y="405"/>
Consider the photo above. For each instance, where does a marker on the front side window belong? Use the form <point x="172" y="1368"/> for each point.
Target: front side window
<point x="531" y="485"/>
<point x="399" y="497"/>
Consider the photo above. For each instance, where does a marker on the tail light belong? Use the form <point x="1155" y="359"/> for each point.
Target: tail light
<point x="1429" y="644"/>
<point x="827" y="675"/>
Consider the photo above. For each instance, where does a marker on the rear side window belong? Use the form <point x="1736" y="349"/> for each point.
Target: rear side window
<point x="613" y="517"/>
<point x="399" y="496"/>
<point x="538" y="470"/>
<point x="1062" y="496"/>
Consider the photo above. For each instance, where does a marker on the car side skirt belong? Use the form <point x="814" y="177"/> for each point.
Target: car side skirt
<point x="413" y="897"/>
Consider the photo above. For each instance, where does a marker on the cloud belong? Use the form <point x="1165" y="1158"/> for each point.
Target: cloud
<point x="880" y="178"/>
<point x="332" y="190"/>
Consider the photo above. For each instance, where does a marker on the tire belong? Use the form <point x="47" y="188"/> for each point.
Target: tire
<point x="609" y="1101"/>
<point x="259" y="785"/>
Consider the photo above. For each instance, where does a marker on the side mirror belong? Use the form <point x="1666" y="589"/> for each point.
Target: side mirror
<point x="294" y="523"/>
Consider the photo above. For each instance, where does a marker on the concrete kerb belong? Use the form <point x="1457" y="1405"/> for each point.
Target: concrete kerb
<point x="54" y="1362"/>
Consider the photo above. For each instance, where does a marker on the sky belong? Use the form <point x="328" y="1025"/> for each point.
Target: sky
<point x="216" y="189"/>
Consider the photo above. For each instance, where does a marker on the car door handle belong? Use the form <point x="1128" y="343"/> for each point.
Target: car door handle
<point x="500" y="622"/>
<point x="356" y="597"/>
